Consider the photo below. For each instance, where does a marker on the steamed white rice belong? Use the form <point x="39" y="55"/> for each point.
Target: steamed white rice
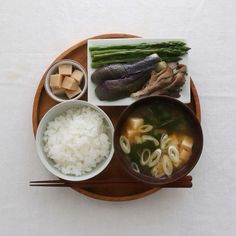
<point x="77" y="141"/>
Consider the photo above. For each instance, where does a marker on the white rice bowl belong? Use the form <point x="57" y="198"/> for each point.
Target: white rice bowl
<point x="77" y="140"/>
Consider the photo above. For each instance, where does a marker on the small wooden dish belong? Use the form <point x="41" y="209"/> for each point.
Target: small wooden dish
<point x="110" y="192"/>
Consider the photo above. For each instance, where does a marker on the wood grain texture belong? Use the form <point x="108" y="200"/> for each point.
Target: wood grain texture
<point x="117" y="192"/>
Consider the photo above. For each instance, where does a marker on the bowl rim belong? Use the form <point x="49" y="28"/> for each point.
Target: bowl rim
<point x="148" y="179"/>
<point x="49" y="72"/>
<point x="42" y="156"/>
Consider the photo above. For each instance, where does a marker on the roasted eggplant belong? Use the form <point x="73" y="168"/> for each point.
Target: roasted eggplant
<point x="120" y="88"/>
<point x="123" y="71"/>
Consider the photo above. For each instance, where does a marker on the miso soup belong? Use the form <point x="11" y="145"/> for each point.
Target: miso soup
<point x="157" y="140"/>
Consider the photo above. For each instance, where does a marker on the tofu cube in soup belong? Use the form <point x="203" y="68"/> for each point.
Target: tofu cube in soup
<point x="69" y="83"/>
<point x="72" y="93"/>
<point x="56" y="81"/>
<point x="187" y="143"/>
<point x="185" y="155"/>
<point x="58" y="91"/>
<point x="132" y="135"/>
<point x="77" y="75"/>
<point x="135" y="123"/>
<point x="65" y="69"/>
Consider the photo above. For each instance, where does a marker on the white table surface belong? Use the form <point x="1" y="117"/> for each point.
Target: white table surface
<point x="33" y="33"/>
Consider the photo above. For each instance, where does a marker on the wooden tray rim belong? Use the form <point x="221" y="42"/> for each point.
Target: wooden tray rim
<point x="36" y="106"/>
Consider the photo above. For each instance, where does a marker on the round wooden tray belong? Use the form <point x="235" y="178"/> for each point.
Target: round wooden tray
<point x="109" y="192"/>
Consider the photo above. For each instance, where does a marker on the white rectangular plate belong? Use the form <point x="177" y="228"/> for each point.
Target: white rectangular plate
<point x="92" y="98"/>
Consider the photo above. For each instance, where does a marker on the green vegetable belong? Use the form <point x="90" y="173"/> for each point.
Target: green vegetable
<point x="129" y="60"/>
<point x="168" y="51"/>
<point x="130" y="53"/>
<point x="140" y="45"/>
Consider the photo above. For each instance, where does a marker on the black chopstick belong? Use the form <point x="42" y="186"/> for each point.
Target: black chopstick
<point x="185" y="182"/>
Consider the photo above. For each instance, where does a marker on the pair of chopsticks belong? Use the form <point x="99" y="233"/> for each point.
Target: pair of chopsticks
<point x="185" y="182"/>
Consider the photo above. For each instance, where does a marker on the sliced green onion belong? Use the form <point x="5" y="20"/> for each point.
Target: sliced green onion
<point x="165" y="141"/>
<point x="167" y="165"/>
<point x="157" y="170"/>
<point x="150" y="138"/>
<point x="124" y="144"/>
<point x="145" y="156"/>
<point x="173" y="153"/>
<point x="155" y="157"/>
<point x="145" y="128"/>
<point x="135" y="167"/>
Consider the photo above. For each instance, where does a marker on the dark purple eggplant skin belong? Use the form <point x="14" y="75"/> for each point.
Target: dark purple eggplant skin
<point x="111" y="90"/>
<point x="121" y="71"/>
